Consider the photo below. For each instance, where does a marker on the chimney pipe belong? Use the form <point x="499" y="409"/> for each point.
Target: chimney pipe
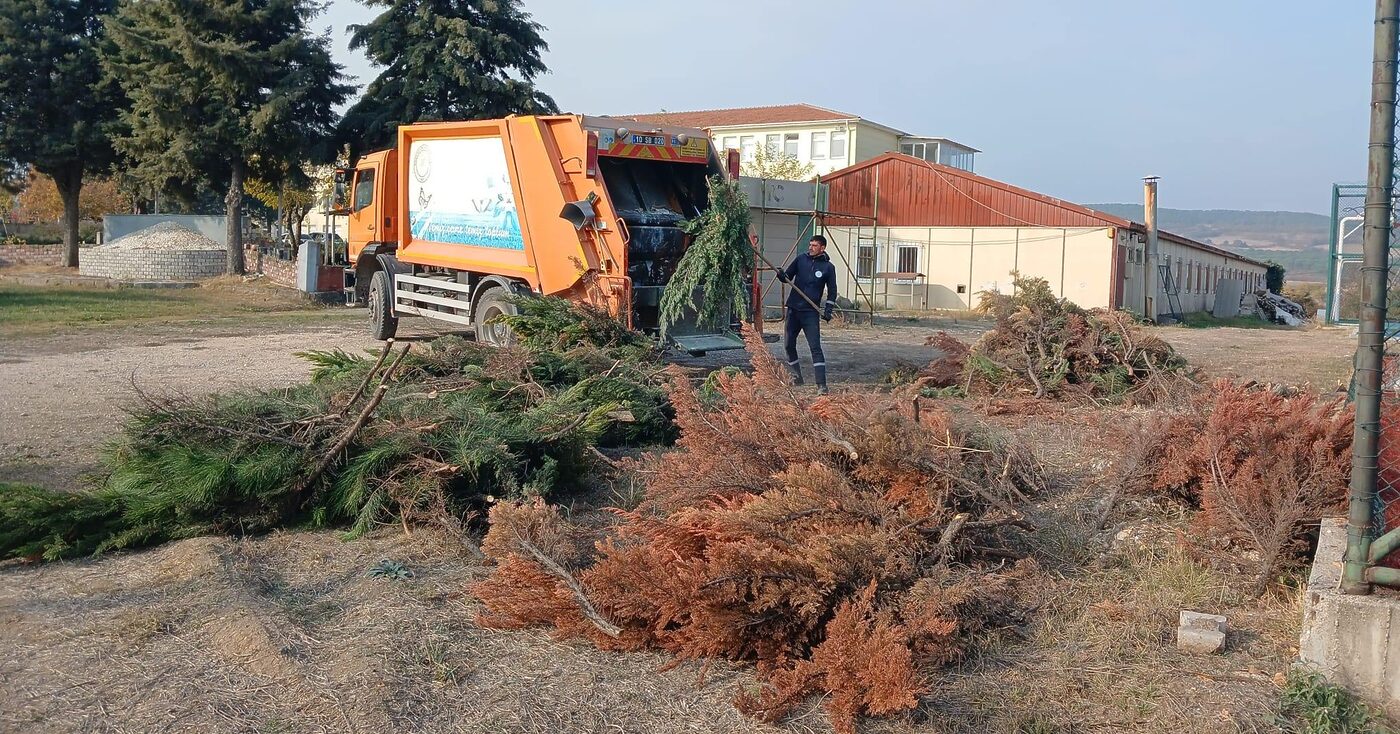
<point x="1150" y="260"/>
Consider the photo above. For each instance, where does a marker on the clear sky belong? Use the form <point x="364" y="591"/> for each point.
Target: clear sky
<point x="1236" y="104"/>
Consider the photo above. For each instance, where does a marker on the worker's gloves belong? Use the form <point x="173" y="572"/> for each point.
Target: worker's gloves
<point x="826" y="315"/>
<point x="782" y="277"/>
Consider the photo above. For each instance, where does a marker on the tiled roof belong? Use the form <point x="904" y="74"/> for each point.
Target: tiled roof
<point x="776" y="114"/>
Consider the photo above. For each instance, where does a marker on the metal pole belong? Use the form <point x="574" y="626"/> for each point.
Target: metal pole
<point x="1333" y="260"/>
<point x="874" y="242"/>
<point x="1380" y="181"/>
<point x="1149" y="263"/>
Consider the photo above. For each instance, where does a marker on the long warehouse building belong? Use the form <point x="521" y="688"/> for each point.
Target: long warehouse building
<point x="925" y="235"/>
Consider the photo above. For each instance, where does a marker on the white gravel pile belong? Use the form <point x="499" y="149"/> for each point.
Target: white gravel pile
<point x="163" y="237"/>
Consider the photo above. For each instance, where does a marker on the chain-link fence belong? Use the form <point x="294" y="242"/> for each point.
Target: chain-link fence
<point x="1365" y="216"/>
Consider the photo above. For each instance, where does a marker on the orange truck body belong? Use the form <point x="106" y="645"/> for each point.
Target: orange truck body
<point x="585" y="208"/>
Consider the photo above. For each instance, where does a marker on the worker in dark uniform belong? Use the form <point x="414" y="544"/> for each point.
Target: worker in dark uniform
<point x="810" y="274"/>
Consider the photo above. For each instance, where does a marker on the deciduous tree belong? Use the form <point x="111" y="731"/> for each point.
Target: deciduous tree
<point x="769" y="162"/>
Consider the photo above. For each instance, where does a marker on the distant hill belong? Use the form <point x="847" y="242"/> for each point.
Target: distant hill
<point x="1296" y="240"/>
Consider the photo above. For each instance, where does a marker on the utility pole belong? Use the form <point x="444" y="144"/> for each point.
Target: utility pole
<point x="1150" y="259"/>
<point x="1380" y="183"/>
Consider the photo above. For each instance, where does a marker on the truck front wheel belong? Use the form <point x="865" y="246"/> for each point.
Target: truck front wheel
<point x="489" y="330"/>
<point x="382" y="321"/>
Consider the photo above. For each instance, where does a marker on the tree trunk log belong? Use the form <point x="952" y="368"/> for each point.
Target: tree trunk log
<point x="70" y="186"/>
<point x="233" y="207"/>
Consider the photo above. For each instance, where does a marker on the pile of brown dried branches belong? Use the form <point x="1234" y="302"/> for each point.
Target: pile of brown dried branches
<point x="846" y="545"/>
<point x="1044" y="346"/>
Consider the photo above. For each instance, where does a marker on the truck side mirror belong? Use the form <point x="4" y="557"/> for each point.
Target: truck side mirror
<point x="340" y="202"/>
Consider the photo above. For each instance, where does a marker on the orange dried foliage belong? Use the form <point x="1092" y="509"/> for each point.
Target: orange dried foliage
<point x="947" y="369"/>
<point x="803" y="535"/>
<point x="1262" y="467"/>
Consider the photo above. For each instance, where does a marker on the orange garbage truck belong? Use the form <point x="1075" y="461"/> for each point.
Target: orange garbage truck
<point x="461" y="218"/>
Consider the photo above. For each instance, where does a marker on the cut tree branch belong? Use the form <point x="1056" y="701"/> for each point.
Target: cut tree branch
<point x="585" y="605"/>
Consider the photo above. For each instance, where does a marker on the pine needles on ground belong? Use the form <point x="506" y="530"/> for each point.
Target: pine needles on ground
<point x="715" y="263"/>
<point x="456" y="422"/>
<point x="841" y="544"/>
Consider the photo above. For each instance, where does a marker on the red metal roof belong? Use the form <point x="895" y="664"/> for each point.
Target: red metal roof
<point x="777" y="114"/>
<point x="917" y="193"/>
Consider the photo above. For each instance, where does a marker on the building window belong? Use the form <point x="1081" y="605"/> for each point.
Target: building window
<point x="770" y="144"/>
<point x="790" y="144"/>
<point x="731" y="142"/>
<point x="908" y="259"/>
<point x="819" y="146"/>
<point x="838" y="144"/>
<point x="747" y="145"/>
<point x="925" y="151"/>
<point x="865" y="261"/>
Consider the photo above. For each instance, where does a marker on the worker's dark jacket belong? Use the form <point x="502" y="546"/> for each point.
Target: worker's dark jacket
<point x="811" y="275"/>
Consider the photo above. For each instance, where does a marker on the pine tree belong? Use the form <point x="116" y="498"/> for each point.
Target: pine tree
<point x="56" y="110"/>
<point x="445" y="60"/>
<point x="222" y="90"/>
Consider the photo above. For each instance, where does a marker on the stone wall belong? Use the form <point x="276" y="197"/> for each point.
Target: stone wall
<point x="151" y="264"/>
<point x="281" y="272"/>
<point x="51" y="255"/>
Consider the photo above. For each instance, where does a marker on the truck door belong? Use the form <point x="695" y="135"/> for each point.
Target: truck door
<point x="364" y="208"/>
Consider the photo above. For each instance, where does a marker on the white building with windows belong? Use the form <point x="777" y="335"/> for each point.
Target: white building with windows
<point x="827" y="139"/>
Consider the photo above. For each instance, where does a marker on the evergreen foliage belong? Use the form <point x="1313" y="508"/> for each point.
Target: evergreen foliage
<point x="715" y="264"/>
<point x="58" y="112"/>
<point x="444" y="60"/>
<point x="223" y="90"/>
<point x="1273" y="277"/>
<point x="459" y="422"/>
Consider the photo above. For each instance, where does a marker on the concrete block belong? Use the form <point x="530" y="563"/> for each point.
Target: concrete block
<point x="1201" y="633"/>
<point x="1354" y="641"/>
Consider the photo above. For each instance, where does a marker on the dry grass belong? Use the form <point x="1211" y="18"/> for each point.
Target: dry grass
<point x="287" y="634"/>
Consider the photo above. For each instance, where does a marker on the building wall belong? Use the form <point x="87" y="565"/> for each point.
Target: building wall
<point x="1199" y="272"/>
<point x="871" y="142"/>
<point x="960" y="262"/>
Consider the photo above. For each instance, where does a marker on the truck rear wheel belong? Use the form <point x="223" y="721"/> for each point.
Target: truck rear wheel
<point x="488" y="330"/>
<point x="382" y="321"/>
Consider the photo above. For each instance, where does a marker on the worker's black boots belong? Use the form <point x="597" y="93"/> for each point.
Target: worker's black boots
<point x="820" y="368"/>
<point x="796" y="369"/>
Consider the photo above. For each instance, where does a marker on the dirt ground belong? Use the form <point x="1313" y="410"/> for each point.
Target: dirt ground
<point x="288" y="633"/>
